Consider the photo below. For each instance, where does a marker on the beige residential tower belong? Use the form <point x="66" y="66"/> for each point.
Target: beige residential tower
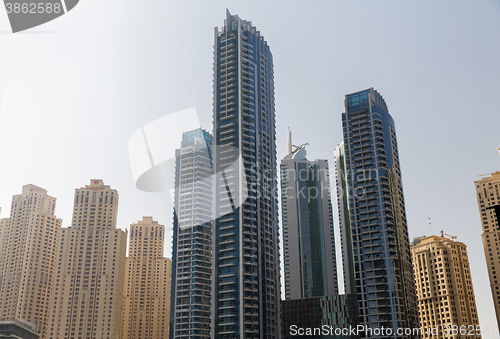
<point x="146" y="312"/>
<point x="488" y="200"/>
<point x="28" y="241"/>
<point x="445" y="297"/>
<point x="87" y="296"/>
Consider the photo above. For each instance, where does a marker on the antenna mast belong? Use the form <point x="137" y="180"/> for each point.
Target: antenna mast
<point x="289" y="142"/>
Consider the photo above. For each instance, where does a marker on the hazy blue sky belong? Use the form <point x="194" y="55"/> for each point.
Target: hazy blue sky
<point x="74" y="90"/>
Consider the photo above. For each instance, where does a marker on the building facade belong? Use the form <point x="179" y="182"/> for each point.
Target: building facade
<point x="488" y="201"/>
<point x="445" y="294"/>
<point x="308" y="237"/>
<point x="380" y="244"/>
<point x="192" y="237"/>
<point x="87" y="294"/>
<point x="146" y="306"/>
<point x="344" y="213"/>
<point x="327" y="317"/>
<point x="246" y="277"/>
<point x="27" y="254"/>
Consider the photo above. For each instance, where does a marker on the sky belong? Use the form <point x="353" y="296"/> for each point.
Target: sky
<point x="74" y="90"/>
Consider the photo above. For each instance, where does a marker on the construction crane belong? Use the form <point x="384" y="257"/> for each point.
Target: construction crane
<point x="452" y="237"/>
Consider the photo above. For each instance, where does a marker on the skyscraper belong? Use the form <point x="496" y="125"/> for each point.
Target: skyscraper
<point x="28" y="250"/>
<point x="246" y="284"/>
<point x="488" y="201"/>
<point x="444" y="288"/>
<point x="380" y="244"/>
<point x="308" y="238"/>
<point x="344" y="220"/>
<point x="325" y="317"/>
<point x="146" y="311"/>
<point x="192" y="237"/>
<point x="87" y="296"/>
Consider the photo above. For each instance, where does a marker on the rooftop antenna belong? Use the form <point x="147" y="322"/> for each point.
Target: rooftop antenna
<point x="289" y="142"/>
<point x="429" y="226"/>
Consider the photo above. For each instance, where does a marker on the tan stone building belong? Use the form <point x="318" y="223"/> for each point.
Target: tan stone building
<point x="488" y="200"/>
<point x="87" y="296"/>
<point x="445" y="297"/>
<point x="28" y="241"/>
<point x="146" y="312"/>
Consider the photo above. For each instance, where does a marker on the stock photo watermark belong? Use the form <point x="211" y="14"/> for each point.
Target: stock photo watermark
<point x="156" y="149"/>
<point x="26" y="14"/>
<point x="364" y="330"/>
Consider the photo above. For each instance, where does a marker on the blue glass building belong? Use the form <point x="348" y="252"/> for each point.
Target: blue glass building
<point x="380" y="245"/>
<point x="326" y="317"/>
<point x="190" y="303"/>
<point x="246" y="288"/>
<point x="308" y="236"/>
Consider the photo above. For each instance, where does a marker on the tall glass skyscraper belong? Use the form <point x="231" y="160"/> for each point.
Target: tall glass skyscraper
<point x="308" y="237"/>
<point x="344" y="220"/>
<point x="192" y="237"/>
<point x="380" y="244"/>
<point x="246" y="288"/>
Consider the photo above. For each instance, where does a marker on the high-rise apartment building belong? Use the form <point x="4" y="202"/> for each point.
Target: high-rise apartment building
<point x="444" y="289"/>
<point x="192" y="237"/>
<point x="146" y="307"/>
<point x="28" y="250"/>
<point x="246" y="284"/>
<point x="308" y="237"/>
<point x="488" y="201"/>
<point x="380" y="245"/>
<point x="87" y="294"/>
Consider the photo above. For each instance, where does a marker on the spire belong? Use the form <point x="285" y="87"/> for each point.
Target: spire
<point x="289" y="142"/>
<point x="228" y="22"/>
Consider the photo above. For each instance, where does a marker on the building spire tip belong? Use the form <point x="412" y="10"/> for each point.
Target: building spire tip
<point x="289" y="142"/>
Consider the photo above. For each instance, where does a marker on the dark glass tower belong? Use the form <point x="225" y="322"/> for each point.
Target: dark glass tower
<point x="308" y="237"/>
<point x="246" y="288"/>
<point x="192" y="238"/>
<point x="380" y="244"/>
